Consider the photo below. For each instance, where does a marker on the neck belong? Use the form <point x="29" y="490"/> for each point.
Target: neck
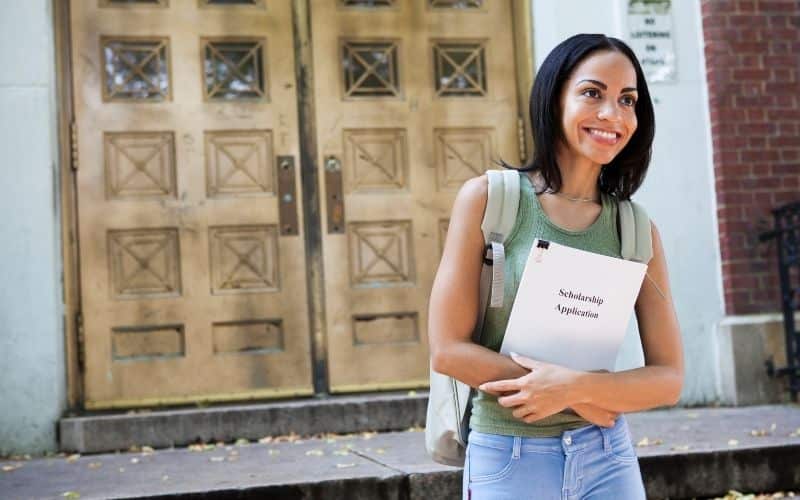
<point x="578" y="176"/>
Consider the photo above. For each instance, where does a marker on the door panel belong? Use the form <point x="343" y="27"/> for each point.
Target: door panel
<point x="190" y="277"/>
<point x="412" y="98"/>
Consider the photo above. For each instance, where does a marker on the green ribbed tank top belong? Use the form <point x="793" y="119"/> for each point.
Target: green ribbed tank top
<point x="600" y="237"/>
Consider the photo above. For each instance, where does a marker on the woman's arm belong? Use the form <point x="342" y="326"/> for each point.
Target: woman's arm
<point x="548" y="387"/>
<point x="454" y="302"/>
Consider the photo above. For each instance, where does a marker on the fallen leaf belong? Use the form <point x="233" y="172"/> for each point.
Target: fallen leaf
<point x="680" y="447"/>
<point x="9" y="468"/>
<point x="233" y="453"/>
<point x="122" y="469"/>
<point x="274" y="452"/>
<point x="412" y="393"/>
<point x="242" y="442"/>
<point x="71" y="494"/>
<point x="315" y="453"/>
<point x="265" y="440"/>
<point x="733" y="442"/>
<point x="95" y="465"/>
<point x="342" y="466"/>
<point x="341" y="452"/>
<point x="795" y="433"/>
<point x="647" y="442"/>
<point x="164" y="478"/>
<point x="146" y="450"/>
<point x="134" y="460"/>
<point x="368" y="434"/>
<point x="217" y="459"/>
<point x="692" y="414"/>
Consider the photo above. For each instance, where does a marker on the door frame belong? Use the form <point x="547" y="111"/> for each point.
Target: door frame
<point x="69" y="163"/>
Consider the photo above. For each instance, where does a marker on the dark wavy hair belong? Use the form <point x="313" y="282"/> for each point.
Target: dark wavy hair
<point x="626" y="172"/>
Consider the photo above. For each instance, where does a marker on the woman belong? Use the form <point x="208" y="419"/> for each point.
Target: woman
<point x="540" y="430"/>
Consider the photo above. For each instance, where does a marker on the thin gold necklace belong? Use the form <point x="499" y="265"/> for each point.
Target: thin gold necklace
<point x="570" y="198"/>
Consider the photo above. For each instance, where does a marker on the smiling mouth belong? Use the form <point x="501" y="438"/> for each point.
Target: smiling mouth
<point x="603" y="136"/>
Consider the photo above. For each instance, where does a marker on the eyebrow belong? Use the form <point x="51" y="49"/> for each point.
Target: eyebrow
<point x="604" y="86"/>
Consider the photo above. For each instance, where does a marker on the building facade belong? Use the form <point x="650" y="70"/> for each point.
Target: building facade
<point x="217" y="201"/>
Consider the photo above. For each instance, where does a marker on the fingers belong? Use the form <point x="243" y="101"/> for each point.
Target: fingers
<point x="515" y="399"/>
<point x="499" y="386"/>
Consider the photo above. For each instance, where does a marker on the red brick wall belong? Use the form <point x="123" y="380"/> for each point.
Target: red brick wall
<point x="752" y="50"/>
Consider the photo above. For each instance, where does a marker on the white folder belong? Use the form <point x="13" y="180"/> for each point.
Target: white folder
<point x="572" y="307"/>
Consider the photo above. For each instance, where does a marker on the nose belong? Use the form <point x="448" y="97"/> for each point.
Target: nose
<point x="609" y="111"/>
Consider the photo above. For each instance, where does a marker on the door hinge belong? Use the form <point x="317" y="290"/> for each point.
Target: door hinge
<point x="523" y="154"/>
<point x="81" y="342"/>
<point x="73" y="145"/>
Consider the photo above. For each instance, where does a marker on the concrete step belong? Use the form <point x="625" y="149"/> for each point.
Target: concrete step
<point x="683" y="453"/>
<point x="105" y="432"/>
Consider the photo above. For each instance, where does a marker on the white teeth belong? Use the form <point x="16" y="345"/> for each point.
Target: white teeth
<point x="601" y="133"/>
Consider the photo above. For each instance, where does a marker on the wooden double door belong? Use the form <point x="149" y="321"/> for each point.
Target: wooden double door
<point x="263" y="187"/>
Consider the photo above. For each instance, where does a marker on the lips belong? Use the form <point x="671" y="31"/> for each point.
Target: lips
<point x="603" y="136"/>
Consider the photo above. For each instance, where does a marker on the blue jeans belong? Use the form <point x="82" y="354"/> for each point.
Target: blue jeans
<point x="590" y="462"/>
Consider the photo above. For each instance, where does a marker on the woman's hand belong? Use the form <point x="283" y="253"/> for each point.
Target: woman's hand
<point x="595" y="414"/>
<point x="544" y="391"/>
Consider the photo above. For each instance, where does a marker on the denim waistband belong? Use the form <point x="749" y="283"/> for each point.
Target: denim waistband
<point x="572" y="440"/>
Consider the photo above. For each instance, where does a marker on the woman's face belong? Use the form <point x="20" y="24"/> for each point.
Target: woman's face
<point x="598" y="106"/>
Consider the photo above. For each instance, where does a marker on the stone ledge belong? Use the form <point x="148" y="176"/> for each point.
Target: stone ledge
<point x="181" y="427"/>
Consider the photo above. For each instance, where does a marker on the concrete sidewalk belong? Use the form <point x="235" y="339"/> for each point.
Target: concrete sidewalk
<point x="683" y="453"/>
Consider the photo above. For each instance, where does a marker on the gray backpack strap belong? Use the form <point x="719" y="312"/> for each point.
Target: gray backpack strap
<point x="498" y="221"/>
<point x="635" y="236"/>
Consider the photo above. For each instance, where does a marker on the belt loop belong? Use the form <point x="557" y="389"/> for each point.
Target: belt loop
<point x="606" y="441"/>
<point x="517" y="447"/>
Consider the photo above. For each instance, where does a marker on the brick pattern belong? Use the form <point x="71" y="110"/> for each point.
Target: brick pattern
<point x="752" y="50"/>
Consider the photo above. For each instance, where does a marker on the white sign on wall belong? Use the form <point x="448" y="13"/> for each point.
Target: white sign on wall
<point x="650" y="37"/>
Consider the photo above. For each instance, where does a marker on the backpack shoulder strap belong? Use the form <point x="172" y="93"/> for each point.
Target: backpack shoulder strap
<point x="635" y="236"/>
<point x="501" y="205"/>
<point x="498" y="221"/>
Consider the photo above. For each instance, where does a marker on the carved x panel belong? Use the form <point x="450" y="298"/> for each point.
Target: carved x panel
<point x="381" y="253"/>
<point x="239" y="162"/>
<point x="144" y="262"/>
<point x="244" y="258"/>
<point x="139" y="165"/>
<point x="461" y="153"/>
<point x="375" y="159"/>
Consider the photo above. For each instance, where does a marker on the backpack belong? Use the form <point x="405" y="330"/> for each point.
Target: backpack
<point x="449" y="400"/>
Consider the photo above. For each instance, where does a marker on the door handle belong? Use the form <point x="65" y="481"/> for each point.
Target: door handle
<point x="333" y="195"/>
<point x="287" y="196"/>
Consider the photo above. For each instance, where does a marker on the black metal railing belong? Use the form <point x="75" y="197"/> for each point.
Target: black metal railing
<point x="787" y="234"/>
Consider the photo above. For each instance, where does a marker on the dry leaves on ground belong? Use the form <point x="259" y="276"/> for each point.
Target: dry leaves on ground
<point x="645" y="441"/>
<point x="735" y="495"/>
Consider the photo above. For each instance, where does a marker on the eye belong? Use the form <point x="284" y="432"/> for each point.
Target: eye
<point x="629" y="100"/>
<point x="591" y="93"/>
